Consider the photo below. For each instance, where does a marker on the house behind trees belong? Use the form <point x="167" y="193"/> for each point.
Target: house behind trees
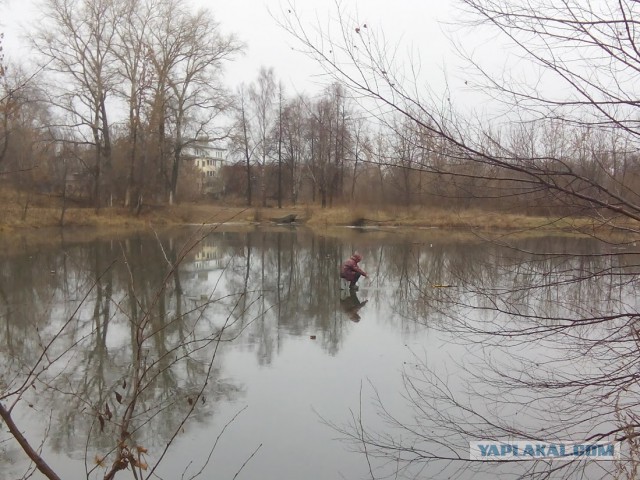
<point x="208" y="158"/>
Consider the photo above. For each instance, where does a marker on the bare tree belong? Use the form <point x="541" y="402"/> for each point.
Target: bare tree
<point x="295" y="145"/>
<point x="131" y="50"/>
<point x="330" y="138"/>
<point x="360" y="146"/>
<point x="76" y="40"/>
<point x="243" y="140"/>
<point x="187" y="51"/>
<point x="25" y="139"/>
<point x="342" y="139"/>
<point x="280" y="141"/>
<point x="263" y="96"/>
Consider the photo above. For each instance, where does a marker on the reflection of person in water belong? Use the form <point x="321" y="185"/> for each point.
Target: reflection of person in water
<point x="351" y="304"/>
<point x="350" y="270"/>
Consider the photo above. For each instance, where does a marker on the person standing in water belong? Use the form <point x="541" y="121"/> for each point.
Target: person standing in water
<point x="350" y="270"/>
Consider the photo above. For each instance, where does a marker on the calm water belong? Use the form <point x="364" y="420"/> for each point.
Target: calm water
<point x="253" y="336"/>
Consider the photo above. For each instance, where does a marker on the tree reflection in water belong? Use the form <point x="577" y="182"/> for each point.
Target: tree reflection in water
<point x="100" y="338"/>
<point x="544" y="348"/>
<point x="541" y="346"/>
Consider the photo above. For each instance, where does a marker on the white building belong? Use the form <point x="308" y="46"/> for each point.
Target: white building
<point x="208" y="159"/>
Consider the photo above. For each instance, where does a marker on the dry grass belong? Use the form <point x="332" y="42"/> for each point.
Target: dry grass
<point x="44" y="211"/>
<point x="438" y="218"/>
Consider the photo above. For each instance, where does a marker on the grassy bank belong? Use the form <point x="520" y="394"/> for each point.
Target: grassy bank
<point x="38" y="215"/>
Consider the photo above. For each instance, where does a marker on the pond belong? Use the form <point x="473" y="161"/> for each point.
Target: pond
<point x="220" y="353"/>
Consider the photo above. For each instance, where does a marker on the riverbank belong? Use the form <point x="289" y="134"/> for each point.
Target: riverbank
<point x="17" y="218"/>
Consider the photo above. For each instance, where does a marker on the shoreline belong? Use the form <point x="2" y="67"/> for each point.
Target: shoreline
<point x="118" y="220"/>
<point x="14" y="217"/>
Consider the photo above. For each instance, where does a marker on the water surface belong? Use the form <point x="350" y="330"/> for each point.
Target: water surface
<point x="252" y="336"/>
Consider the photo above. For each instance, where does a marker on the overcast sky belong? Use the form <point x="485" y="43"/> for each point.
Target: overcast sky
<point x="417" y="24"/>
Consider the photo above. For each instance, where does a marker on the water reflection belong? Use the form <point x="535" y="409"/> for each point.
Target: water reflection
<point x="123" y="323"/>
<point x="351" y="305"/>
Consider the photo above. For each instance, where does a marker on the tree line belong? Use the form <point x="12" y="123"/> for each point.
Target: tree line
<point x="560" y="130"/>
<point x="123" y="88"/>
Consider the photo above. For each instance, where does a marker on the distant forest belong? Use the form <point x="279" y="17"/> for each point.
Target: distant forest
<point x="123" y="88"/>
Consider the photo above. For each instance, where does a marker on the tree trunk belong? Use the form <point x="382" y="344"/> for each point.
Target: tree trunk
<point x="133" y="125"/>
<point x="280" y="150"/>
<point x="97" y="172"/>
<point x="246" y="155"/>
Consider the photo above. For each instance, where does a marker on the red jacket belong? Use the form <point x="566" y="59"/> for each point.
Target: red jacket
<point x="350" y="268"/>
